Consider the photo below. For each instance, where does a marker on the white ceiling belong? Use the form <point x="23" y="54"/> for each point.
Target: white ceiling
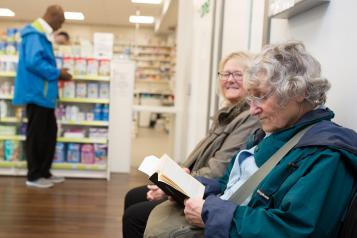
<point x="102" y="12"/>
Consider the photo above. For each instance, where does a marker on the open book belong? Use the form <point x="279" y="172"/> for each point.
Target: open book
<point x="171" y="178"/>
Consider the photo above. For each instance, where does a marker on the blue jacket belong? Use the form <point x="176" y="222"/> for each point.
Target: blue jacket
<point x="37" y="74"/>
<point x="305" y="195"/>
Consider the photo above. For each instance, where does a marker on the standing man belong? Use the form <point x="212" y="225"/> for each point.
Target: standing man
<point x="36" y="87"/>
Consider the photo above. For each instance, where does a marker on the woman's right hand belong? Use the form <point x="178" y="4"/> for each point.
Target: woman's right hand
<point x="155" y="193"/>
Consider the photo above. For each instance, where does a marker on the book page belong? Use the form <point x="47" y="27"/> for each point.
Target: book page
<point x="172" y="171"/>
<point x="149" y="165"/>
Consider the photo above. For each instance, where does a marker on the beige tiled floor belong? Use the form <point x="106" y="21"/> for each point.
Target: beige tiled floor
<point x="149" y="142"/>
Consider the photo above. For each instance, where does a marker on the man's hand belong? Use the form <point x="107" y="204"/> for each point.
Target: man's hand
<point x="193" y="211"/>
<point x="64" y="75"/>
<point x="155" y="193"/>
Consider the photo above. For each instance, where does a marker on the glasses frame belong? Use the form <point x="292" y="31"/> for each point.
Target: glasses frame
<point x="258" y="101"/>
<point x="236" y="75"/>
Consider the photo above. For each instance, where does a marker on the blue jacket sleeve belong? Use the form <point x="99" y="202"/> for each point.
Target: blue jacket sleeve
<point x="37" y="59"/>
<point x="217" y="214"/>
<point x="212" y="186"/>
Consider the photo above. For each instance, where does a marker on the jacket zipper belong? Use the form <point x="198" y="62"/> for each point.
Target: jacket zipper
<point x="45" y="90"/>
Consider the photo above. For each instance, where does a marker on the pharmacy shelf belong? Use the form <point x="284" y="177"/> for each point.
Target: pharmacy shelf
<point x="12" y="137"/>
<point x="152" y="81"/>
<point x="16" y="168"/>
<point x="91" y="78"/>
<point x="7" y="74"/>
<point x="59" y="139"/>
<point x="156" y="109"/>
<point x="84" y="123"/>
<point x="6" y="97"/>
<point x="83" y="140"/>
<point x="85" y="100"/>
<point x="75" y="77"/>
<point x="10" y="120"/>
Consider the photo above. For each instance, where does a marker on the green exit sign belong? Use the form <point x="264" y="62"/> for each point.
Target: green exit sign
<point x="204" y="10"/>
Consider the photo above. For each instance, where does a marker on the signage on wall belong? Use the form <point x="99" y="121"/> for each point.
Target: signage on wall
<point x="103" y="45"/>
<point x="205" y="7"/>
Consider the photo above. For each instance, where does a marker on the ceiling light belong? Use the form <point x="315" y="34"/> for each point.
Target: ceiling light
<point x="147" y="1"/>
<point x="6" y="12"/>
<point x="142" y="19"/>
<point x="74" y="16"/>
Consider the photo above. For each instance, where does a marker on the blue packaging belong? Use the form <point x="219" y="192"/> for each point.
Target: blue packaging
<point x="105" y="113"/>
<point x="97" y="112"/>
<point x="73" y="153"/>
<point x="60" y="154"/>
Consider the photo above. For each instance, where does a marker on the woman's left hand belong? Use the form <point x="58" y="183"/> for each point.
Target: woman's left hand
<point x="193" y="210"/>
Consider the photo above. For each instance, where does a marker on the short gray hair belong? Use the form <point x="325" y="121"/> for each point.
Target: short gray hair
<point x="291" y="71"/>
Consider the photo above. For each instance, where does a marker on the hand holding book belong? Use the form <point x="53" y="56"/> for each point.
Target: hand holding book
<point x="171" y="178"/>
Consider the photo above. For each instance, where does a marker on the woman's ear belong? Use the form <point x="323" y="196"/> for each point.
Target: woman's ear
<point x="299" y="99"/>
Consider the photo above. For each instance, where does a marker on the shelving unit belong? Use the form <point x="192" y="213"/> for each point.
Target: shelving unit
<point x="68" y="169"/>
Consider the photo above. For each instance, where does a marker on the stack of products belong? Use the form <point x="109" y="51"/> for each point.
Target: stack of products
<point x="77" y="153"/>
<point x="71" y="89"/>
<point x="10" y="150"/>
<point x="100" y="112"/>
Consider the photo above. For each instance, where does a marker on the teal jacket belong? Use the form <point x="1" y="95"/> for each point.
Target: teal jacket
<point x="37" y="74"/>
<point x="305" y="195"/>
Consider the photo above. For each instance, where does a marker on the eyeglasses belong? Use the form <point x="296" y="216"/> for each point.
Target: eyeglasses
<point x="259" y="100"/>
<point x="236" y="75"/>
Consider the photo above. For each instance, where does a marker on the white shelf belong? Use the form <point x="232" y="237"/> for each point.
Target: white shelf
<point x="156" y="109"/>
<point x="84" y="123"/>
<point x="7" y="74"/>
<point x="85" y="100"/>
<point x="83" y="140"/>
<point x="91" y="78"/>
<point x="6" y="97"/>
<point x="289" y="8"/>
<point x="59" y="139"/>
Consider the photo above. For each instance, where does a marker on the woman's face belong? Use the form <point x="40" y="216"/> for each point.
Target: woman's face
<point x="273" y="117"/>
<point x="231" y="81"/>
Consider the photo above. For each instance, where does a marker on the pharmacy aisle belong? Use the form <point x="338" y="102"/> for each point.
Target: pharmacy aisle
<point x="82" y="113"/>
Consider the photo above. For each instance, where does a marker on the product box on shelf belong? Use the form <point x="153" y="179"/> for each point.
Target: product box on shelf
<point x="80" y="66"/>
<point x="104" y="90"/>
<point x="73" y="153"/>
<point x="60" y="154"/>
<point x="12" y="150"/>
<point x="87" y="154"/>
<point x="2" y="149"/>
<point x="69" y="89"/>
<point x="100" y="153"/>
<point x="68" y="63"/>
<point x="92" y="66"/>
<point x="92" y="90"/>
<point x="81" y="90"/>
<point x="104" y="67"/>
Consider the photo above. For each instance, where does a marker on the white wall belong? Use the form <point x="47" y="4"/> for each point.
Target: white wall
<point x="183" y="75"/>
<point x="200" y="75"/>
<point x="328" y="31"/>
<point x="236" y="26"/>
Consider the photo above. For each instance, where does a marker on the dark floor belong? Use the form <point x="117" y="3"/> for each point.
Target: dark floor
<point x="78" y="208"/>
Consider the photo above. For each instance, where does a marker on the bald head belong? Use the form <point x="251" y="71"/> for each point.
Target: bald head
<point x="54" y="16"/>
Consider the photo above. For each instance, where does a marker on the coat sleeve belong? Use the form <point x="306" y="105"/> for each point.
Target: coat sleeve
<point x="314" y="204"/>
<point x="234" y="142"/>
<point x="36" y="59"/>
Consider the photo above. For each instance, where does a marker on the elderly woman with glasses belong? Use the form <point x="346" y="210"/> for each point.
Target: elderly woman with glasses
<point x="307" y="192"/>
<point x="231" y="126"/>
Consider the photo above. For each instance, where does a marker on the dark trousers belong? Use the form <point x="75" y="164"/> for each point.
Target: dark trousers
<point x="41" y="138"/>
<point x="136" y="212"/>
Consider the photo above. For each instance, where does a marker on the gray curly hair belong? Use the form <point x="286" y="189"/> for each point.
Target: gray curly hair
<point x="290" y="71"/>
